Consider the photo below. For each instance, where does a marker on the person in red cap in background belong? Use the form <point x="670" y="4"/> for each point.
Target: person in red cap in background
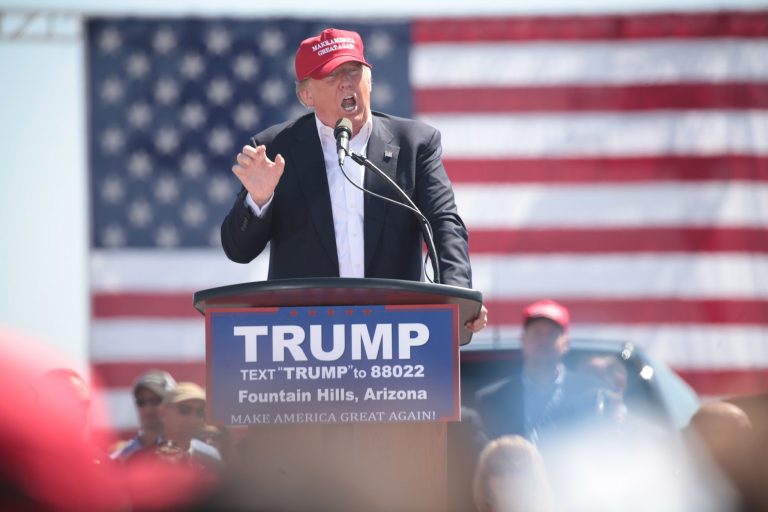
<point x="542" y="397"/>
<point x="319" y="224"/>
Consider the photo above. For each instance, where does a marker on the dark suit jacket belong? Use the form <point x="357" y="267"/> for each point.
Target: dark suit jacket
<point x="299" y="221"/>
<point x="502" y="409"/>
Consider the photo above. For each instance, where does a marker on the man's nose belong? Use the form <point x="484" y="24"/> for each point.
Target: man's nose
<point x="345" y="75"/>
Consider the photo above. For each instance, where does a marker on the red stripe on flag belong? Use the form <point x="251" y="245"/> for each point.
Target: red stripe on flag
<point x="576" y="98"/>
<point x="122" y="374"/>
<point x="608" y="170"/>
<point x="643" y="311"/>
<point x="742" y="24"/>
<point x="618" y="240"/>
<point x="726" y="382"/>
<point x="610" y="311"/>
<point x="146" y="304"/>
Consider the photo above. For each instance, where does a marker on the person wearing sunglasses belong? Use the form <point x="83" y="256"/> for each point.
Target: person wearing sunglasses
<point x="149" y="388"/>
<point x="183" y="415"/>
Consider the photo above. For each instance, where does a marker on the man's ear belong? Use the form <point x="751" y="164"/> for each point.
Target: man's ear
<point x="306" y="97"/>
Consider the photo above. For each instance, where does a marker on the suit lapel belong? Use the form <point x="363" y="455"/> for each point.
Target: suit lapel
<point x="383" y="154"/>
<point x="310" y="172"/>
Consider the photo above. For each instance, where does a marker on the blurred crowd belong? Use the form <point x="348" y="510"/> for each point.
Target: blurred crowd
<point x="547" y="439"/>
<point x="564" y="439"/>
<point x="54" y="461"/>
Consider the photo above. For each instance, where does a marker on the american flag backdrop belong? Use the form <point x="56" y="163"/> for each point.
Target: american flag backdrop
<point x="616" y="163"/>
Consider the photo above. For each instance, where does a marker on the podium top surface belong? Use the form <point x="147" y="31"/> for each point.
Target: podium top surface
<point x="336" y="291"/>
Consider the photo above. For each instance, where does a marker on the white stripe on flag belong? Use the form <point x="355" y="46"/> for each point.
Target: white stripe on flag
<point x="715" y="276"/>
<point x="121" y="411"/>
<point x="147" y="339"/>
<point x="170" y="270"/>
<point x="692" y="133"/>
<point x="606" y="63"/>
<point x="661" y="204"/>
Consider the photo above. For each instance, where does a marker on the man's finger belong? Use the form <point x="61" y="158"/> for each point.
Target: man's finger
<point x="244" y="159"/>
<point x="280" y="163"/>
<point x="480" y="322"/>
<point x="254" y="151"/>
<point x="261" y="156"/>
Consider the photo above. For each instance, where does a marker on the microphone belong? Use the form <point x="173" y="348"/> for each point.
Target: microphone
<point x="426" y="228"/>
<point x="342" y="133"/>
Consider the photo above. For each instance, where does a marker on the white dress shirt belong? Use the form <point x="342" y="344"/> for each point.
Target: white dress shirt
<point x="346" y="199"/>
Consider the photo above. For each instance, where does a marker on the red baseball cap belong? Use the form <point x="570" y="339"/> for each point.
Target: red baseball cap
<point x="550" y="310"/>
<point x="317" y="56"/>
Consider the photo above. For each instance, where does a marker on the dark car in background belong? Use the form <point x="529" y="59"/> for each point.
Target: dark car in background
<point x="652" y="391"/>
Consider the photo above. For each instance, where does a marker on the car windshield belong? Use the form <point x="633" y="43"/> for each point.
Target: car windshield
<point x="630" y="378"/>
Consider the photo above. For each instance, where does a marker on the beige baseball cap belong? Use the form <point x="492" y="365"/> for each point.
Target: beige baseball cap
<point x="184" y="391"/>
<point x="157" y="381"/>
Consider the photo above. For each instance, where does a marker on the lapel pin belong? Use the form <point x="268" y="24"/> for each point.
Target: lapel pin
<point x="387" y="155"/>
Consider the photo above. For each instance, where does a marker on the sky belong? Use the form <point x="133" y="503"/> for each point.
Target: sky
<point x="372" y="7"/>
<point x="43" y="171"/>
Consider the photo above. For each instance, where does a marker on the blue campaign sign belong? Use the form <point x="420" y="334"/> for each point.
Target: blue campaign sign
<point x="333" y="364"/>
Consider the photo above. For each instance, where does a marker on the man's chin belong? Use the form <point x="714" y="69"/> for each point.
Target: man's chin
<point x="358" y="119"/>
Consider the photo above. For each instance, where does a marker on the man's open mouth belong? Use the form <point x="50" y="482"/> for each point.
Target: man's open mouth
<point x="349" y="104"/>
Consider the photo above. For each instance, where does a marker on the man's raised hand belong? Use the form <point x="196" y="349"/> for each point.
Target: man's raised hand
<point x="258" y="174"/>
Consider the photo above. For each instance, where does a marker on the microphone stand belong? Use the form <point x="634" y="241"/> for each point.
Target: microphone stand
<point x="426" y="229"/>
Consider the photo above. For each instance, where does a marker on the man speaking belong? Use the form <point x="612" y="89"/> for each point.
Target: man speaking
<point x="319" y="223"/>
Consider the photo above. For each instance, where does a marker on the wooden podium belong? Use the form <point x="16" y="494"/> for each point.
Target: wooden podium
<point x="398" y="466"/>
